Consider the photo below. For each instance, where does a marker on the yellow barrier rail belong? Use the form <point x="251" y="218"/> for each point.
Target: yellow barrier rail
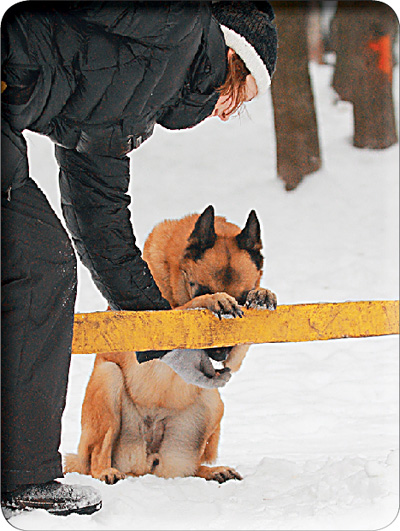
<point x="158" y="330"/>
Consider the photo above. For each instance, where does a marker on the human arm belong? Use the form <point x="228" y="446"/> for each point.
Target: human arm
<point x="95" y="207"/>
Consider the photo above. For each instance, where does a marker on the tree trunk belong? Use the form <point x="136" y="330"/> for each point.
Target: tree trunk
<point x="363" y="35"/>
<point x="296" y="130"/>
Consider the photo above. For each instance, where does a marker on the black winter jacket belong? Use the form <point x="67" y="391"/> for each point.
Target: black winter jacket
<point x="96" y="77"/>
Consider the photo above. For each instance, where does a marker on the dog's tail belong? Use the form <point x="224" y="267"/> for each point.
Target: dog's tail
<point x="73" y="463"/>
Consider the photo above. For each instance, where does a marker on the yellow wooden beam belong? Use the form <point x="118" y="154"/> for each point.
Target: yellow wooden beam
<point x="129" y="331"/>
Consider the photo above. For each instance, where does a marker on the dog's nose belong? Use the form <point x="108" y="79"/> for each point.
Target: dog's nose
<point x="218" y="354"/>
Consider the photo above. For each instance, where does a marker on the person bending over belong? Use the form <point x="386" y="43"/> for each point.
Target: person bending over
<point x="96" y="77"/>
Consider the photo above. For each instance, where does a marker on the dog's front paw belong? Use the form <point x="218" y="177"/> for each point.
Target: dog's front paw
<point x="261" y="298"/>
<point x="222" y="304"/>
<point x="111" y="475"/>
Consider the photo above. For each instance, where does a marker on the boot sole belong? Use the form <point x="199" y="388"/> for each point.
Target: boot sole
<point x="10" y="510"/>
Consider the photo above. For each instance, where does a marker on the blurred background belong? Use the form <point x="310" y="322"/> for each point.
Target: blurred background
<point x="359" y="40"/>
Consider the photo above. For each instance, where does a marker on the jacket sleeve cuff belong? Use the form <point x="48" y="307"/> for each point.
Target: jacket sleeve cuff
<point x="148" y="355"/>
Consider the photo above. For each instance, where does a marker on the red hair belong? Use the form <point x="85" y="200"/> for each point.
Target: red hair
<point x="235" y="82"/>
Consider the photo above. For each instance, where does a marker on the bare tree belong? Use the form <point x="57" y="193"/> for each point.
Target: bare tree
<point x="362" y="36"/>
<point x="298" y="152"/>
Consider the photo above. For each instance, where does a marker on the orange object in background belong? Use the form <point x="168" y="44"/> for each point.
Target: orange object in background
<point x="383" y="47"/>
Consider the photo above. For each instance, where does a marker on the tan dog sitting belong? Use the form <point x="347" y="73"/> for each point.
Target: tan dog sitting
<point x="143" y="418"/>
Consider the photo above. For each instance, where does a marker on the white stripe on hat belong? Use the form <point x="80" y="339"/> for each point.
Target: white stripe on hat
<point x="250" y="57"/>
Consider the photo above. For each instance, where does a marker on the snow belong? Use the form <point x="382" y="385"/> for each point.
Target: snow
<point x="312" y="427"/>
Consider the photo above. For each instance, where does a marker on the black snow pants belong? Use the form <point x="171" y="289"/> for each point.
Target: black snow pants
<point x="38" y="297"/>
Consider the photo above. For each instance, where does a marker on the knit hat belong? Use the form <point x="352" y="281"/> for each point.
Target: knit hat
<point x="249" y="30"/>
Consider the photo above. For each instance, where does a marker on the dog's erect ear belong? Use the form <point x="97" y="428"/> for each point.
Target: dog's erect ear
<point x="250" y="239"/>
<point x="203" y="236"/>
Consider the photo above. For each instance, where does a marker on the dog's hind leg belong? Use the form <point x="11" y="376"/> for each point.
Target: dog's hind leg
<point x="211" y="448"/>
<point x="101" y="459"/>
<point x="216" y="473"/>
<point x="101" y="421"/>
<point x="72" y="463"/>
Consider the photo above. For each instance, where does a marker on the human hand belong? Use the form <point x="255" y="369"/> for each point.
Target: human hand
<point x="195" y="367"/>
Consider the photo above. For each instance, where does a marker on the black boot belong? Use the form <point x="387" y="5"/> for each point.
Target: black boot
<point x="56" y="498"/>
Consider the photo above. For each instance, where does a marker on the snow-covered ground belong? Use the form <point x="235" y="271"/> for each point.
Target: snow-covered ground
<point x="312" y="427"/>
